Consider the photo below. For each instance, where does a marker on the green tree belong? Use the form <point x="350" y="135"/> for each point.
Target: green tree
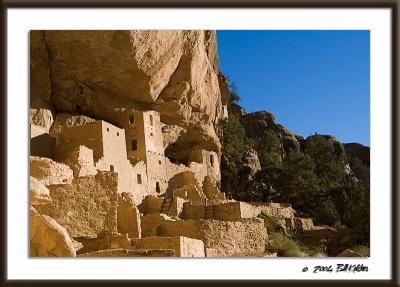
<point x="234" y="97"/>
<point x="233" y="145"/>
<point x="330" y="169"/>
<point x="268" y="148"/>
<point x="298" y="183"/>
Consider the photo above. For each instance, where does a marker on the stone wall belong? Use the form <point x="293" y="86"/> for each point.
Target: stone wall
<point x="221" y="238"/>
<point x="204" y="162"/>
<point x="150" y="224"/>
<point x="128" y="217"/>
<point x="85" y="207"/>
<point x="89" y="135"/>
<point x="183" y="246"/>
<point x="80" y="160"/>
<point x="173" y="169"/>
<point x="153" y="205"/>
<point x="220" y="210"/>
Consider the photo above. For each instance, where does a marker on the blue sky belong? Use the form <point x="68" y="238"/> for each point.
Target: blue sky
<point x="312" y="81"/>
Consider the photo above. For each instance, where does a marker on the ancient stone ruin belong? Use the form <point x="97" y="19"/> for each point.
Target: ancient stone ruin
<point x="125" y="157"/>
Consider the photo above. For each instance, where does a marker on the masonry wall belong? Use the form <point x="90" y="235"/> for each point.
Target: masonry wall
<point x="203" y="163"/>
<point x="80" y="160"/>
<point x="139" y="186"/>
<point x="222" y="238"/>
<point x="151" y="224"/>
<point x="156" y="173"/>
<point x="128" y="217"/>
<point x="153" y="205"/>
<point x="114" y="144"/>
<point x="173" y="169"/>
<point x="85" y="207"/>
<point x="89" y="135"/>
<point x="228" y="211"/>
<point x="156" y="166"/>
<point x="132" y="121"/>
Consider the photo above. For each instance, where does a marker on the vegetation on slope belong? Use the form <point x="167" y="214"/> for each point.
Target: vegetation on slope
<point x="315" y="180"/>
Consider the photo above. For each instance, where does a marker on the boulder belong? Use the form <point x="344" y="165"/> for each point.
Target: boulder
<point x="42" y="117"/>
<point x="38" y="193"/>
<point x="48" y="238"/>
<point x="50" y="172"/>
<point x="251" y="163"/>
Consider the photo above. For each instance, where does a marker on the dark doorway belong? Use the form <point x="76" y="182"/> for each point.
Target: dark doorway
<point x="158" y="187"/>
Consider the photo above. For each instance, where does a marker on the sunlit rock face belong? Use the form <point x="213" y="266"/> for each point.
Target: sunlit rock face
<point x="96" y="73"/>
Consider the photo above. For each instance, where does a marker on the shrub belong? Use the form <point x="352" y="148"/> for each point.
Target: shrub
<point x="285" y="246"/>
<point x="362" y="249"/>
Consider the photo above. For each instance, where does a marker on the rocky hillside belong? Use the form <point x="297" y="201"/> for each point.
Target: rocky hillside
<point x="95" y="73"/>
<point x="320" y="176"/>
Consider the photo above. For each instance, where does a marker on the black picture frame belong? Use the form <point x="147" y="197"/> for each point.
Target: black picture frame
<point x="391" y="4"/>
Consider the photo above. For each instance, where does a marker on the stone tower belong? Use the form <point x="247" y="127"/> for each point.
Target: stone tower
<point x="144" y="142"/>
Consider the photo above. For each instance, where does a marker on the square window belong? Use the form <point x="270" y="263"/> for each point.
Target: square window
<point x="108" y="129"/>
<point x="117" y="134"/>
<point x="139" y="178"/>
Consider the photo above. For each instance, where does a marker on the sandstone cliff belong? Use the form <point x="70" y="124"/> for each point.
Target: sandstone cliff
<point x="97" y="73"/>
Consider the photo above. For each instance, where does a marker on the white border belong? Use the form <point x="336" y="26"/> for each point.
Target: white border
<point x="20" y="21"/>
